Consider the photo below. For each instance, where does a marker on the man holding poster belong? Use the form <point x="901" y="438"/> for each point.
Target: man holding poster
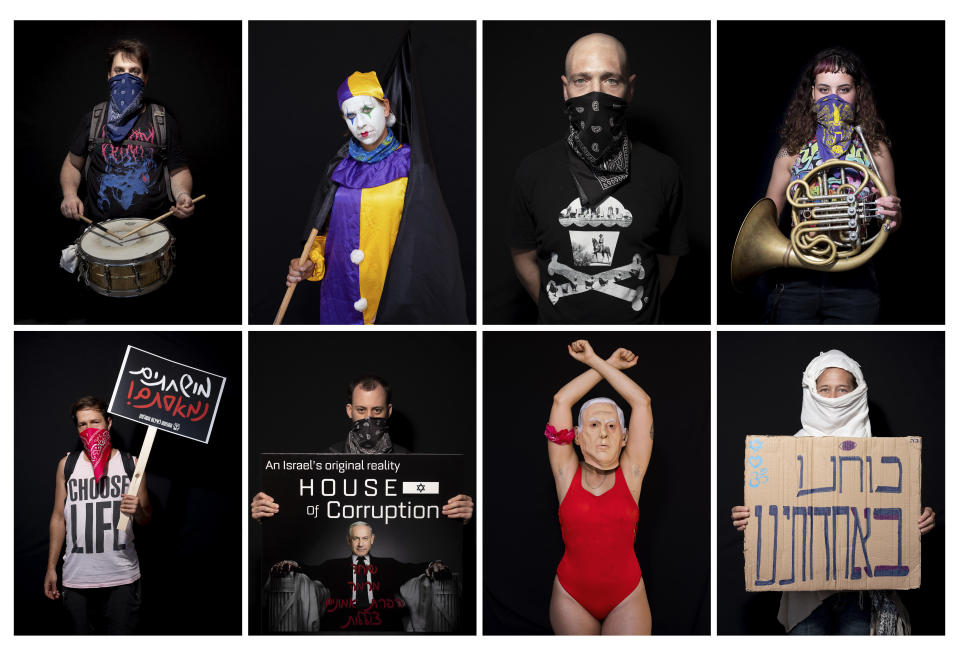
<point x="835" y="405"/>
<point x="101" y="572"/>
<point x="369" y="409"/>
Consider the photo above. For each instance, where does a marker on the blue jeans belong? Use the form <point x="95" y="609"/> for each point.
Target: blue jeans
<point x="839" y="614"/>
<point x="799" y="296"/>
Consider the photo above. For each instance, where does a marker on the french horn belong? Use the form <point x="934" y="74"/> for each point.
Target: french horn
<point x="835" y="225"/>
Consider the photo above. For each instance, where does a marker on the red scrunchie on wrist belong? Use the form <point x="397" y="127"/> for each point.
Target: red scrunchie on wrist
<point x="563" y="437"/>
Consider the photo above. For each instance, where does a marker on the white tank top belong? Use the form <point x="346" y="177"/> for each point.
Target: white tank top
<point x="97" y="555"/>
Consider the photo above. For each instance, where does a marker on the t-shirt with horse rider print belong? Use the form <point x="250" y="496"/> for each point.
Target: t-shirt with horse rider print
<point x="598" y="264"/>
<point x="127" y="179"/>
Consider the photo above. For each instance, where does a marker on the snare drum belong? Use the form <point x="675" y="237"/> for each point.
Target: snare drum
<point x="140" y="264"/>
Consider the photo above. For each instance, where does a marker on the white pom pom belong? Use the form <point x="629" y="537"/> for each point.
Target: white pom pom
<point x="360" y="305"/>
<point x="356" y="256"/>
<point x="391" y="120"/>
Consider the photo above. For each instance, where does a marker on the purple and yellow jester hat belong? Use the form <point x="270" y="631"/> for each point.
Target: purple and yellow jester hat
<point x="360" y="84"/>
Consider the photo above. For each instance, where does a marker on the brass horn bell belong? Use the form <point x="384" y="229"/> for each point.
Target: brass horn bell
<point x="834" y="225"/>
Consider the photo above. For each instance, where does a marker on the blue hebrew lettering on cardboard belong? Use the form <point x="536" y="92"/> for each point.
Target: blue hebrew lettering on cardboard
<point x="832" y="513"/>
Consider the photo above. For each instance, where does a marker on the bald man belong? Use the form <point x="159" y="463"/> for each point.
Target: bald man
<point x="596" y="220"/>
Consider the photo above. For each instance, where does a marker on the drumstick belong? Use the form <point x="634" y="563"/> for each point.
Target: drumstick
<point x="99" y="227"/>
<point x="159" y="218"/>
<point x="304" y="256"/>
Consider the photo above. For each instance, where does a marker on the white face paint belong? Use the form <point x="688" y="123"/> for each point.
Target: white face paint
<point x="365" y="118"/>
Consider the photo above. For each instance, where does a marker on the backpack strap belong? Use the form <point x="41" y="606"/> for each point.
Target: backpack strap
<point x="160" y="129"/>
<point x="129" y="466"/>
<point x="158" y="119"/>
<point x="98" y="119"/>
<point x="70" y="465"/>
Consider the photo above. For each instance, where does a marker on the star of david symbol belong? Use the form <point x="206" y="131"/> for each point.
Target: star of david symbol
<point x="420" y="487"/>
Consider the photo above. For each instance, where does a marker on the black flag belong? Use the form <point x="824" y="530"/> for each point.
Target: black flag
<point x="424" y="282"/>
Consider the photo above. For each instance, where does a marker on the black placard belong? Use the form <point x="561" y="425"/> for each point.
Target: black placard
<point x="320" y="496"/>
<point x="174" y="397"/>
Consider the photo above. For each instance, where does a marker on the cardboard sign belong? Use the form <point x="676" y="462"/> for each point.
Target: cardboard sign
<point x="400" y="496"/>
<point x="832" y="513"/>
<point x="174" y="397"/>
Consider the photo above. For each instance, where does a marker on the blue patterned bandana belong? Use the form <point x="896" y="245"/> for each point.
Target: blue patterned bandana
<point x="126" y="100"/>
<point x="834" y="126"/>
<point x="387" y="146"/>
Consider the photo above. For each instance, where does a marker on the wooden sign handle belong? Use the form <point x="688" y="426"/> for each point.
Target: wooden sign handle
<point x="304" y="256"/>
<point x="138" y="473"/>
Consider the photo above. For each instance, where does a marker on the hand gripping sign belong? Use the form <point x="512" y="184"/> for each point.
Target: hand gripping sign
<point x="161" y="393"/>
<point x="832" y="513"/>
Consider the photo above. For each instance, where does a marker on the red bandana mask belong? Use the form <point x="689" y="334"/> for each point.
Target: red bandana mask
<point x="96" y="444"/>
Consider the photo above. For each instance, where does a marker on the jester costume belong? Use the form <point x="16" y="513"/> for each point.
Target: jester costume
<point x="389" y="253"/>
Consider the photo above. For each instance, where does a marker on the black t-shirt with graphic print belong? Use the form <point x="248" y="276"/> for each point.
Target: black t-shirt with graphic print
<point x="598" y="265"/>
<point x="127" y="180"/>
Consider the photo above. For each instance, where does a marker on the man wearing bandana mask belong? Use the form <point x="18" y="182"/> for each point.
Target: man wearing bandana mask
<point x="101" y="572"/>
<point x="835" y="404"/>
<point x="369" y="410"/>
<point x="833" y="97"/>
<point x="126" y="165"/>
<point x="597" y="222"/>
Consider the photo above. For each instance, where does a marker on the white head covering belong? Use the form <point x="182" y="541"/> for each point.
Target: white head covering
<point x="602" y="399"/>
<point x="845" y="416"/>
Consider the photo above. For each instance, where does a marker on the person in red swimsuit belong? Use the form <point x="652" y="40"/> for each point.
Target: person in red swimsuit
<point x="599" y="588"/>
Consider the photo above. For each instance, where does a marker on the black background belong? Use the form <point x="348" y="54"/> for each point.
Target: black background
<point x="759" y="393"/>
<point x="298" y="397"/>
<point x="190" y="553"/>
<point x="522" y="544"/>
<point x="296" y="128"/>
<point x="756" y="78"/>
<point x="60" y="74"/>
<point x="523" y="111"/>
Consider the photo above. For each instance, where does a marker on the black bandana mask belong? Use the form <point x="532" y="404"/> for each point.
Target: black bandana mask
<point x="596" y="125"/>
<point x="370" y="435"/>
<point x="598" y="138"/>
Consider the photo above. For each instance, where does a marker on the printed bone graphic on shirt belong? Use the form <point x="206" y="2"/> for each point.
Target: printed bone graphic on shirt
<point x="606" y="282"/>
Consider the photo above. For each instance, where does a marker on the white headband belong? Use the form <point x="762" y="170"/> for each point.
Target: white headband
<point x="602" y="399"/>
